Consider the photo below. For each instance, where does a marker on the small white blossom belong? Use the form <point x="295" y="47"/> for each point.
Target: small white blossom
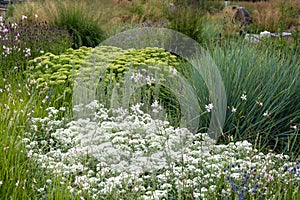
<point x="209" y="107"/>
<point x="233" y="109"/>
<point x="136" y="77"/>
<point x="244" y="97"/>
<point x="150" y="80"/>
<point x="136" y="108"/>
<point x="259" y="103"/>
<point x="41" y="189"/>
<point x="173" y="71"/>
<point x="23" y="17"/>
<point x="266" y="114"/>
<point x="293" y="127"/>
<point x="156" y="107"/>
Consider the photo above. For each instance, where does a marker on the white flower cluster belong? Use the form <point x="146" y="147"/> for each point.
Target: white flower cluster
<point x="121" y="152"/>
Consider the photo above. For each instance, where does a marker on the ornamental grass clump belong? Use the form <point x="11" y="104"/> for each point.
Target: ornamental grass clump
<point x="26" y="39"/>
<point x="119" y="153"/>
<point x="17" y="105"/>
<point x="262" y="87"/>
<point x="81" y="20"/>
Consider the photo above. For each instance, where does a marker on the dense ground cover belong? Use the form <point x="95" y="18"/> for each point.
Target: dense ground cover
<point x="53" y="149"/>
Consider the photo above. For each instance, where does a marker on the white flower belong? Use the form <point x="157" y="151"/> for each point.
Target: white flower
<point x="150" y="80"/>
<point x="136" y="108"/>
<point x="233" y="109"/>
<point x="244" y="97"/>
<point x="203" y="190"/>
<point x="36" y="16"/>
<point x="269" y="178"/>
<point x="294" y="127"/>
<point x="14" y="26"/>
<point x="259" y="103"/>
<point x="23" y="17"/>
<point x="212" y="188"/>
<point x="173" y="71"/>
<point x="209" y="107"/>
<point x="266" y="114"/>
<point x="136" y="76"/>
<point x="156" y="107"/>
<point x="27" y="52"/>
<point x="1" y="183"/>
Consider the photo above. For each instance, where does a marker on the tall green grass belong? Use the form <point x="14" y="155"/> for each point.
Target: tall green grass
<point x="15" y="176"/>
<point x="81" y="19"/>
<point x="20" y="177"/>
<point x="185" y="19"/>
<point x="270" y="79"/>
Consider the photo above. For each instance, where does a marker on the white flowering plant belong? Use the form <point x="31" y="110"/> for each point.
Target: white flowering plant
<point x="125" y="154"/>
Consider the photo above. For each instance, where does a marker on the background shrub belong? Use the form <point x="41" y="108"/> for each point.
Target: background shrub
<point x="273" y="16"/>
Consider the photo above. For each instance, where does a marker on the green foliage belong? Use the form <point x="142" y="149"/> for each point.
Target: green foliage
<point x="270" y="82"/>
<point x="210" y="5"/>
<point x="142" y="59"/>
<point x="16" y="103"/>
<point x="288" y="9"/>
<point x="55" y="73"/>
<point x="187" y="20"/>
<point x="81" y="24"/>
